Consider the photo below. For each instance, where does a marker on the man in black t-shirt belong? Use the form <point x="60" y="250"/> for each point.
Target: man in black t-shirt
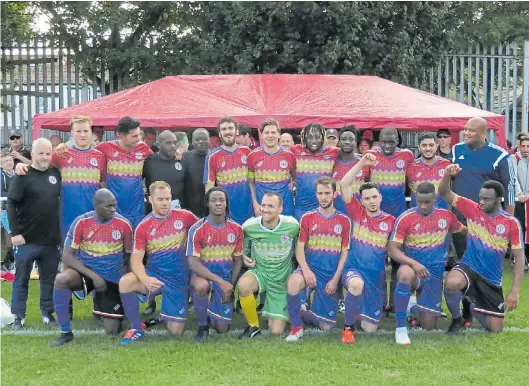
<point x="163" y="166"/>
<point x="194" y="161"/>
<point x="33" y="215"/>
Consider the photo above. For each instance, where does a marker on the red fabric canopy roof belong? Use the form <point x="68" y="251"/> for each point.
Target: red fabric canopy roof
<point x="294" y="100"/>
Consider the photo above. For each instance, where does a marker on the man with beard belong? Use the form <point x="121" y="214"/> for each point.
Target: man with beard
<point x="227" y="167"/>
<point x="479" y="273"/>
<point x="389" y="173"/>
<point x="418" y="244"/>
<point x="365" y="269"/>
<point x="33" y="213"/>
<point x="321" y="253"/>
<point x="428" y="168"/>
<point x="214" y="252"/>
<point x="194" y="162"/>
<point x="163" y="166"/>
<point x="346" y="160"/>
<point x="313" y="161"/>
<point x="124" y="168"/>
<point x="93" y="254"/>
<point x="271" y="169"/>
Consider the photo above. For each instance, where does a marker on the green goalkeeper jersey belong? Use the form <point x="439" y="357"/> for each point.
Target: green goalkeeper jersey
<point x="272" y="249"/>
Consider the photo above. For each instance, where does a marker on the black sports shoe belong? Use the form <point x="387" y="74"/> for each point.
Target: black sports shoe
<point x="390" y="312"/>
<point x="65" y="337"/>
<point x="49" y="320"/>
<point x="250" y="332"/>
<point x="202" y="334"/>
<point x="259" y="309"/>
<point x="466" y="312"/>
<point x="151" y="308"/>
<point x="18" y="324"/>
<point x="455" y="326"/>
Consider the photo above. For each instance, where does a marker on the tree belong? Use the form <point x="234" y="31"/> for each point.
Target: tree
<point x="15" y="21"/>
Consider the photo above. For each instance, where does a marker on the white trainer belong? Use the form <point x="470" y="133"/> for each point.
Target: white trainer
<point x="401" y="336"/>
<point x="295" y="334"/>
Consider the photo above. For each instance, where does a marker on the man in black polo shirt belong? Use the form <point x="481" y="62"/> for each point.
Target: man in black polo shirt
<point x="33" y="214"/>
<point x="163" y="166"/>
<point x="18" y="151"/>
<point x="194" y="161"/>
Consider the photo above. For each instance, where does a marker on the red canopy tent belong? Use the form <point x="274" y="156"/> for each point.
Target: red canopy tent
<point x="294" y="100"/>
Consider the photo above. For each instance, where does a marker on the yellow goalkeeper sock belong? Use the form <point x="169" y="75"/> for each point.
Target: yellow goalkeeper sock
<point x="249" y="305"/>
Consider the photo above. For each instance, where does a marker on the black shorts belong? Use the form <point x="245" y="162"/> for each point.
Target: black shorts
<point x="487" y="297"/>
<point x="106" y="304"/>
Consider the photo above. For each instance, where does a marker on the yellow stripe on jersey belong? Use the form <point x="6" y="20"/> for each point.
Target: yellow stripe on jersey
<point x="124" y="168"/>
<point x="388" y="177"/>
<point x="99" y="249"/>
<point x="80" y="174"/>
<point x="427" y="240"/>
<point x="232" y="176"/>
<point x="314" y="166"/>
<point x="166" y="243"/>
<point x="325" y="243"/>
<point x="479" y="232"/>
<point x="414" y="185"/>
<point x="270" y="176"/>
<point x="366" y="235"/>
<point x="217" y="253"/>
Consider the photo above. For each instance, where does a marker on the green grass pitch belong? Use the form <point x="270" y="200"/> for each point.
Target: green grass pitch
<point x="473" y="357"/>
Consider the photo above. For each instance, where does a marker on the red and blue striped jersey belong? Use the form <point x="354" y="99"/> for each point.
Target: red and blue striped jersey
<point x="419" y="172"/>
<point x="340" y="169"/>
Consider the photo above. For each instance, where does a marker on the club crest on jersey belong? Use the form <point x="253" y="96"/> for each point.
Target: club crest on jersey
<point x="441" y="172"/>
<point x="500" y="228"/>
<point x="283" y="164"/>
<point x="90" y="234"/>
<point x="243" y="159"/>
<point x="52" y="180"/>
<point x="178" y="166"/>
<point x="338" y="229"/>
<point x="93" y="162"/>
<point x="284" y="238"/>
<point x="442" y="223"/>
<point x="139" y="156"/>
<point x="116" y="235"/>
<point x="178" y="224"/>
<point x="400" y="164"/>
<point x="259" y="164"/>
<point x="231" y="238"/>
<point x="383" y="226"/>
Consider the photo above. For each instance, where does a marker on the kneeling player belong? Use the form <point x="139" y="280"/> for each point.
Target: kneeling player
<point x="161" y="236"/>
<point x="364" y="271"/>
<point x="479" y="272"/>
<point x="214" y="252"/>
<point x="93" y="257"/>
<point x="321" y="252"/>
<point x="423" y="232"/>
<point x="268" y="251"/>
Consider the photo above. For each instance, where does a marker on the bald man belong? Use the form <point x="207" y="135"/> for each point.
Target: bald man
<point x="480" y="161"/>
<point x="286" y="140"/>
<point x="55" y="141"/>
<point x="96" y="247"/>
<point x="33" y="214"/>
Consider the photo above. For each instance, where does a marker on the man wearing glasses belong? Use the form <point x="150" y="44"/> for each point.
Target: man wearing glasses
<point x="17" y="149"/>
<point x="445" y="144"/>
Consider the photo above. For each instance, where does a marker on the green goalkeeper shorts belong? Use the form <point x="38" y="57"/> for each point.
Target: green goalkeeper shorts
<point x="275" y="306"/>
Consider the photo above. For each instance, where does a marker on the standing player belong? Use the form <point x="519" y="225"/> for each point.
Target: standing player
<point x="313" y="160"/>
<point x="161" y="236"/>
<point x="389" y="173"/>
<point x="271" y="169"/>
<point x="94" y="256"/>
<point x="479" y="272"/>
<point x="422" y="232"/>
<point x="226" y="166"/>
<point x="82" y="170"/>
<point x="346" y="160"/>
<point x="321" y="252"/>
<point x="268" y="251"/>
<point x="428" y="168"/>
<point x="124" y="165"/>
<point x="365" y="268"/>
<point x="214" y="252"/>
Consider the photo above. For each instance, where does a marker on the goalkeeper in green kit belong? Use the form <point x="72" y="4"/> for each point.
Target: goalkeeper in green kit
<point x="268" y="251"/>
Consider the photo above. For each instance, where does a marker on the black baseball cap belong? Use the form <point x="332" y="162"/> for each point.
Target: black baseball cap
<point x="331" y="133"/>
<point x="443" y="131"/>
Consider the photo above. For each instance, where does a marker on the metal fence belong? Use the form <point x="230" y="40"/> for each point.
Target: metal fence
<point x="42" y="75"/>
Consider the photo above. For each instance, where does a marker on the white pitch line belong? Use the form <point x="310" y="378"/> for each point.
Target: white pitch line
<point x="416" y="331"/>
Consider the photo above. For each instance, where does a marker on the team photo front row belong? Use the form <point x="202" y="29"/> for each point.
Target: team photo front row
<point x="286" y="262"/>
